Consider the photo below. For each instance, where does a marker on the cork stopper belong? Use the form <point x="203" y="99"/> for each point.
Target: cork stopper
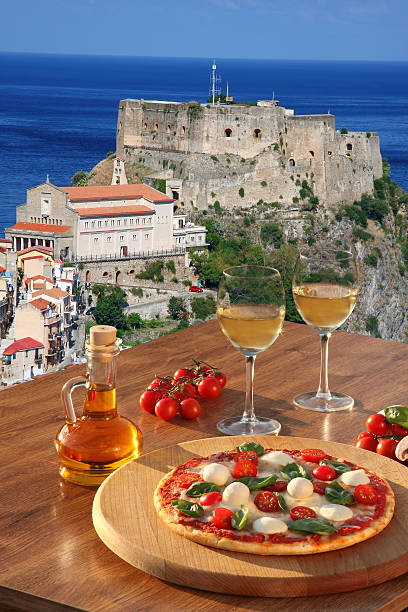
<point x="102" y="335"/>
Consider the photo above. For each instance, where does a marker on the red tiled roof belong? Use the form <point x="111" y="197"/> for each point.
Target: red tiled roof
<point x="55" y="293"/>
<point x="22" y="345"/>
<point x="115" y="192"/>
<point x="39" y="276"/>
<point x="40" y="303"/>
<point x="2" y="269"/>
<point x="40" y="227"/>
<point x="33" y="257"/>
<point x="108" y="211"/>
<point x="64" y="280"/>
<point x="39" y="247"/>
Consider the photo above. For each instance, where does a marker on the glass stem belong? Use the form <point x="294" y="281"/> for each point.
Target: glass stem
<point x="249" y="412"/>
<point x="323" y="390"/>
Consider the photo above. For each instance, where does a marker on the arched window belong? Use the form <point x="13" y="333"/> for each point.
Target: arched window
<point x="105" y="274"/>
<point x="131" y="272"/>
<point x="257" y="133"/>
<point x="183" y="130"/>
<point x="118" y="277"/>
<point x="292" y="162"/>
<point x="145" y="125"/>
<point x="311" y="153"/>
<point x="175" y="194"/>
<point x="349" y="146"/>
<point x="228" y="133"/>
<point x="88" y="276"/>
<point x="156" y="127"/>
<point x="168" y="128"/>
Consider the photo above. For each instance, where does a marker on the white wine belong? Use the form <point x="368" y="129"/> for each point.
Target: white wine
<point x="251" y="327"/>
<point x="323" y="305"/>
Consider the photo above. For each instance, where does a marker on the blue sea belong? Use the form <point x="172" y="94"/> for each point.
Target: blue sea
<point x="58" y="112"/>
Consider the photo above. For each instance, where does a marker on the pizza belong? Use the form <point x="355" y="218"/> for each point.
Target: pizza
<point x="274" y="501"/>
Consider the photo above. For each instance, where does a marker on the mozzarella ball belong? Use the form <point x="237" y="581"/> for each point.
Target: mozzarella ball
<point x="354" y="478"/>
<point x="236" y="494"/>
<point x="216" y="473"/>
<point x="336" y="512"/>
<point x="265" y="524"/>
<point x="300" y="488"/>
<point x="276" y="459"/>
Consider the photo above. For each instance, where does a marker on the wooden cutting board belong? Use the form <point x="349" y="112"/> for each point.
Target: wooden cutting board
<point x="126" y="521"/>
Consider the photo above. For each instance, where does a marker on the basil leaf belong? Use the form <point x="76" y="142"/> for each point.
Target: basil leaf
<point x="293" y="470"/>
<point x="199" y="488"/>
<point x="338" y="466"/>
<point x="313" y="525"/>
<point x="254" y="484"/>
<point x="282" y="504"/>
<point x="397" y="415"/>
<point x="337" y="495"/>
<point x="188" y="508"/>
<point x="239" y="519"/>
<point x="251" y="446"/>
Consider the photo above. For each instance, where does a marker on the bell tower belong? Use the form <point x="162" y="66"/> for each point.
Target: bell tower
<point x="119" y="172"/>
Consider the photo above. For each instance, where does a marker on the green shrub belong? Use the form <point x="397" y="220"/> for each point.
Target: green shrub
<point x="338" y="216"/>
<point x="137" y="291"/>
<point x="217" y="207"/>
<point x="401" y="268"/>
<point x="355" y="213"/>
<point x="247" y="221"/>
<point x="314" y="201"/>
<point x="271" y="233"/>
<point x="241" y="192"/>
<point x="170" y="266"/>
<point x="153" y="271"/>
<point x="275" y="147"/>
<point x="372" y="326"/>
<point x="371" y="259"/>
<point x="80" y="179"/>
<point x="360" y="234"/>
<point x="295" y="200"/>
<point x="303" y="193"/>
<point x="159" y="184"/>
<point x="344" y="130"/>
<point x="203" y="307"/>
<point x="368" y="134"/>
<point x="264" y="183"/>
<point x="214" y="158"/>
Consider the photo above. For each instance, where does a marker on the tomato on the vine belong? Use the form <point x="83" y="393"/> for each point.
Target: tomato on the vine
<point x="367" y="443"/>
<point x="398" y="430"/>
<point x="314" y="455"/>
<point x="363" y="434"/>
<point x="324" y="472"/>
<point x="163" y="383"/>
<point x="222" y="379"/>
<point x="184" y="373"/>
<point x="377" y="424"/>
<point x="386" y="447"/>
<point x="222" y="518"/>
<point x="190" y="408"/>
<point x="244" y="468"/>
<point x="148" y="400"/>
<point x="166" y="408"/>
<point x="300" y="512"/>
<point x="209" y="388"/>
<point x="365" y="494"/>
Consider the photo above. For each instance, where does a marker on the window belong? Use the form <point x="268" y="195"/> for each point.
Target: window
<point x="99" y="223"/>
<point x="146" y="236"/>
<point x="131" y="221"/>
<point x="137" y="221"/>
<point x="200" y="238"/>
<point x="118" y="222"/>
<point x="329" y="153"/>
<point x="92" y="223"/>
<point x="292" y="162"/>
<point x="143" y="221"/>
<point x="183" y="130"/>
<point x="109" y="238"/>
<point x="106" y="223"/>
<point x="112" y="222"/>
<point x="118" y="162"/>
<point x="228" y="133"/>
<point x="86" y="224"/>
<point x="124" y="221"/>
<point x="168" y="128"/>
<point x="311" y="153"/>
<point x="95" y="240"/>
<point x="257" y="133"/>
<point x="14" y="355"/>
<point x="145" y="125"/>
<point x="192" y="239"/>
<point x="134" y="237"/>
<point x="349" y="146"/>
<point x="121" y="238"/>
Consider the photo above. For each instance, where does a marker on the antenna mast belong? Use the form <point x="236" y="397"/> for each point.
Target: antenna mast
<point x="215" y="88"/>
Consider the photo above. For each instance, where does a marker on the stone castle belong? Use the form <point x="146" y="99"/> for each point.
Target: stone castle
<point x="239" y="154"/>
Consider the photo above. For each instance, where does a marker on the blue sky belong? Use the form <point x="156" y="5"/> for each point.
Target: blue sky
<point x="269" y="29"/>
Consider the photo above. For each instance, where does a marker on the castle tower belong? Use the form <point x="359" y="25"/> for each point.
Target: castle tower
<point x="119" y="172"/>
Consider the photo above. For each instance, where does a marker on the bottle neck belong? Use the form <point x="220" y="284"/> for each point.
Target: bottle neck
<point x="101" y="387"/>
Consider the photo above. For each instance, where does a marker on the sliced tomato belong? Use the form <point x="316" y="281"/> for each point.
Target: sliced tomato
<point x="279" y="486"/>
<point x="210" y="499"/>
<point x="184" y="481"/>
<point x="320" y="487"/>
<point x="314" y="455"/>
<point x="300" y="512"/>
<point x="266" y="501"/>
<point x="244" y="468"/>
<point x="247" y="455"/>
<point x="365" y="494"/>
<point x="324" y="472"/>
<point x="222" y="518"/>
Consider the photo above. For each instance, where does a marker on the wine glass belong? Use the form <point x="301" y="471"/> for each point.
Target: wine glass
<point x="325" y="292"/>
<point x="250" y="310"/>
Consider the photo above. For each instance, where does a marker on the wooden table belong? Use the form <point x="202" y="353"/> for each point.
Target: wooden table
<point x="51" y="557"/>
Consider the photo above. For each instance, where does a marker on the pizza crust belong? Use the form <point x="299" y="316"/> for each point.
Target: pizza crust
<point x="305" y="547"/>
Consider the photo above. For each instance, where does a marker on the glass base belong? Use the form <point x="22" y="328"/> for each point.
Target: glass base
<point x="336" y="402"/>
<point x="235" y="426"/>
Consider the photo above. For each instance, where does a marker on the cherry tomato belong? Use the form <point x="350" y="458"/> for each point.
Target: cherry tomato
<point x="163" y="383"/>
<point x="222" y="518"/>
<point x="367" y="444"/>
<point x="183" y="373"/>
<point x="209" y="388"/>
<point x="184" y="481"/>
<point x="324" y="472"/>
<point x="247" y="455"/>
<point x="300" y="512"/>
<point x="166" y="408"/>
<point x="386" y="447"/>
<point x="188" y="390"/>
<point x="364" y="434"/>
<point x="365" y="494"/>
<point x="266" y="501"/>
<point x="190" y="408"/>
<point x="148" y="400"/>
<point x="222" y="379"/>
<point x="398" y="430"/>
<point x="210" y="499"/>
<point x="377" y="424"/>
<point x="314" y="455"/>
<point x="244" y="468"/>
<point x="319" y="487"/>
<point x="279" y="486"/>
